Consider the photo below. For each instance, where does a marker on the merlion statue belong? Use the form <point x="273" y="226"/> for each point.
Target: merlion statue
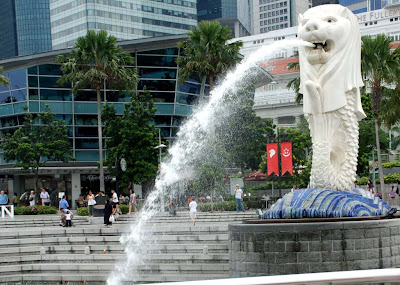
<point x="330" y="77"/>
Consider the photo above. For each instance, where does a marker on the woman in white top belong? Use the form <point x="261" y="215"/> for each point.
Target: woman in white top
<point x="32" y="199"/>
<point x="91" y="202"/>
<point x="193" y="210"/>
<point x="132" y="201"/>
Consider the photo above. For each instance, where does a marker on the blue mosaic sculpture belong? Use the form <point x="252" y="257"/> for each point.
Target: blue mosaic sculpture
<point x="318" y="203"/>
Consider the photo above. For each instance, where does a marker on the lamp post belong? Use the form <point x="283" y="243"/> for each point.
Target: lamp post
<point x="160" y="147"/>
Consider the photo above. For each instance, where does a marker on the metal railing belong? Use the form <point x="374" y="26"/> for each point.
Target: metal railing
<point x="331" y="278"/>
<point x="5" y="211"/>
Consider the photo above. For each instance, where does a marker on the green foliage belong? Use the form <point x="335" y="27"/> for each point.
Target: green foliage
<point x="285" y="184"/>
<point x="124" y="209"/>
<point x="39" y="140"/>
<point x="83" y="211"/>
<point x="391" y="164"/>
<point x="207" y="53"/>
<point x="35" y="210"/>
<point x="390" y="178"/>
<point x="295" y="82"/>
<point x="228" y="198"/>
<point x="3" y="80"/>
<point x="133" y="137"/>
<point x="218" y="206"/>
<point x="366" y="140"/>
<point x="97" y="61"/>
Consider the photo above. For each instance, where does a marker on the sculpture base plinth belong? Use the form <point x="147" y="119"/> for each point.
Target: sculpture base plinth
<point x="324" y="203"/>
<point x="292" y="248"/>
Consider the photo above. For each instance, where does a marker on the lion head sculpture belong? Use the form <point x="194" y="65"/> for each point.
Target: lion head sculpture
<point x="334" y="63"/>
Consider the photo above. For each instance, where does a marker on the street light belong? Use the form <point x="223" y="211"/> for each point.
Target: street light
<point x="160" y="145"/>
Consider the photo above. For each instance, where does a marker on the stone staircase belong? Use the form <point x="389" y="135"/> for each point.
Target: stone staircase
<point x="42" y="252"/>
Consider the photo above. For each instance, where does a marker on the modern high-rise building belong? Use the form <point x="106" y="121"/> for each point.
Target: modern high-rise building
<point x="323" y="2"/>
<point x="361" y="6"/>
<point x="24" y="27"/>
<point x="125" y="19"/>
<point x="272" y="15"/>
<point x="237" y="14"/>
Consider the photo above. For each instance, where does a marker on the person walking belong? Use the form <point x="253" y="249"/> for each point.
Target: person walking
<point x="16" y="200"/>
<point x="132" y="201"/>
<point x="91" y="202"/>
<point x="108" y="209"/>
<point x="393" y="195"/>
<point x="239" y="198"/>
<point x="44" y="195"/>
<point x="193" y="210"/>
<point x="115" y="203"/>
<point x="32" y="199"/>
<point x="3" y="198"/>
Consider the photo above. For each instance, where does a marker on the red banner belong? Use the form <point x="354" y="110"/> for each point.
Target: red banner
<point x="286" y="158"/>
<point x="272" y="159"/>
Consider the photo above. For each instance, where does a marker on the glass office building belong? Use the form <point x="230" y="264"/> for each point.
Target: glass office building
<point x="237" y="14"/>
<point x="25" y="27"/>
<point x="125" y="19"/>
<point x="33" y="83"/>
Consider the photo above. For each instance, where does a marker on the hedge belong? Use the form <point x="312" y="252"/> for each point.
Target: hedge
<point x="35" y="210"/>
<point x="268" y="185"/>
<point x="218" y="206"/>
<point x="83" y="211"/>
<point x="390" y="178"/>
<point x="391" y="164"/>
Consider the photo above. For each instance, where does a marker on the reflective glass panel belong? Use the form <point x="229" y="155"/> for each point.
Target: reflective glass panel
<point x="19" y="95"/>
<point x="167" y="109"/>
<point x="186" y="99"/>
<point x="9" y="122"/>
<point x="183" y="110"/>
<point x="33" y="70"/>
<point x="86" y="120"/>
<point x="85" y="108"/>
<point x="116" y="96"/>
<point x="86" y="132"/>
<point x="33" y="81"/>
<point x="66" y="118"/>
<point x="177" y="121"/>
<point x="166" y="51"/>
<point x="6" y="110"/>
<point x="88" y="95"/>
<point x="18" y="79"/>
<point x="87" y="155"/>
<point x="87" y="143"/>
<point x="57" y="107"/>
<point x="5" y="97"/>
<point x="33" y="106"/>
<point x="163" y="61"/>
<point x="51" y="82"/>
<point x="55" y="95"/>
<point x="162" y="73"/>
<point x="189" y="87"/>
<point x="163" y="97"/>
<point x="20" y="107"/>
<point x="165" y="132"/>
<point x="162" y="120"/>
<point x="157" y="85"/>
<point x="49" y="69"/>
<point x="33" y="94"/>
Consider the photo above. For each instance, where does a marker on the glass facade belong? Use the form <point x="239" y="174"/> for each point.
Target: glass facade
<point x="33" y="26"/>
<point x="8" y="29"/>
<point x="125" y="19"/>
<point x="36" y="86"/>
<point x="236" y="14"/>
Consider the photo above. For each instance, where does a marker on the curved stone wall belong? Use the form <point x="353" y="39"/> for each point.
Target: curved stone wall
<point x="290" y="248"/>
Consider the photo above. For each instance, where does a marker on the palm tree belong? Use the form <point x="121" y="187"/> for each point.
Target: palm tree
<point x="207" y="54"/>
<point x="3" y="80"/>
<point x="295" y="82"/>
<point x="379" y="67"/>
<point x="95" y="61"/>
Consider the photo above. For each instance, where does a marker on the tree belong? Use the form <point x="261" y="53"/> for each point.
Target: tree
<point x="133" y="137"/>
<point x="295" y="82"/>
<point x="207" y="54"/>
<point x="379" y="67"/>
<point x="242" y="134"/>
<point x="3" y="80"/>
<point x="95" y="63"/>
<point x="38" y="141"/>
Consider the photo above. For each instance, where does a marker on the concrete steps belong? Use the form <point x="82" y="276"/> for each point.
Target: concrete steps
<point x="174" y="251"/>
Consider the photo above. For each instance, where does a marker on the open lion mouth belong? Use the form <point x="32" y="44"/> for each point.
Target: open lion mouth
<point x="320" y="46"/>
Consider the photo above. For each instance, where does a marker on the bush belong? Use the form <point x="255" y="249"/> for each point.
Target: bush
<point x="124" y="209"/>
<point x="83" y="211"/>
<point x="228" y="198"/>
<point x="35" y="210"/>
<point x="390" y="178"/>
<point x="218" y="206"/>
<point x="391" y="164"/>
<point x="268" y="185"/>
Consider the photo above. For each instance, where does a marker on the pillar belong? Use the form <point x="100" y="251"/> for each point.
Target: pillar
<point x="76" y="188"/>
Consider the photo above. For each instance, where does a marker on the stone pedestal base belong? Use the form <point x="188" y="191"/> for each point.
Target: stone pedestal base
<point x="290" y="248"/>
